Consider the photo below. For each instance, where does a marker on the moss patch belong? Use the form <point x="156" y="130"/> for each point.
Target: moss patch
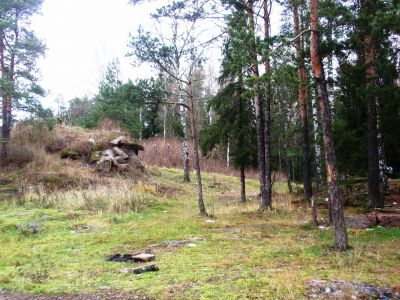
<point x="69" y="153"/>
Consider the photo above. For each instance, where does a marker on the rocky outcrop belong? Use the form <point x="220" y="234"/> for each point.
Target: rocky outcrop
<point x="381" y="217"/>
<point x="122" y="157"/>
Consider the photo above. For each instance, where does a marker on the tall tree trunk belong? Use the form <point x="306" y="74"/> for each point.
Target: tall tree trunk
<point x="4" y="96"/>
<point x="200" y="200"/>
<point x="301" y="75"/>
<point x="185" y="146"/>
<point x="242" y="184"/>
<point x="165" y="123"/>
<point x="374" y="198"/>
<point x="228" y="155"/>
<point x="141" y="123"/>
<point x="317" y="148"/>
<point x="8" y="75"/>
<point x="314" y="212"/>
<point x="258" y="108"/>
<point x="341" y="241"/>
<point x="267" y="110"/>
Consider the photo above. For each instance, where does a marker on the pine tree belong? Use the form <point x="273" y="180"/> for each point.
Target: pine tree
<point x="19" y="51"/>
<point x="329" y="146"/>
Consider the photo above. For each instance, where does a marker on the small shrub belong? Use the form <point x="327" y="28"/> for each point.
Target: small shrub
<point x="52" y="182"/>
<point x="55" y="145"/>
<point x="31" y="132"/>
<point x="84" y="149"/>
<point x="18" y="155"/>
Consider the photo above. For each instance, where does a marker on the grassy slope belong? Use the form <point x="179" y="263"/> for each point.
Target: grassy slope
<point x="272" y="257"/>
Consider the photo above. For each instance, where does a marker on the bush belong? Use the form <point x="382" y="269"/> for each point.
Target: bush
<point x="55" y="145"/>
<point x="17" y="155"/>
<point x="32" y="132"/>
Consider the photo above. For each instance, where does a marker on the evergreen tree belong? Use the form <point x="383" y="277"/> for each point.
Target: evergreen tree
<point x="19" y="51"/>
<point x="341" y="241"/>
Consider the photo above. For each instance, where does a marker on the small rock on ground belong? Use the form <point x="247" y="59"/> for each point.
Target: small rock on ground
<point x="320" y="289"/>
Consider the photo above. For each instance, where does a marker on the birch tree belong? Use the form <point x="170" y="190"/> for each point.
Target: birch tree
<point x="178" y="55"/>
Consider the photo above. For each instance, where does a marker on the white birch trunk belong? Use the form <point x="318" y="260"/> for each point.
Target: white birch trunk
<point x="318" y="160"/>
<point x="184" y="144"/>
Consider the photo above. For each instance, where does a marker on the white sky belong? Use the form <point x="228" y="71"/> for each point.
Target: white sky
<point x="82" y="37"/>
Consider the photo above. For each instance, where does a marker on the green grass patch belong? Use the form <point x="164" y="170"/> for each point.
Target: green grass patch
<point x="240" y="254"/>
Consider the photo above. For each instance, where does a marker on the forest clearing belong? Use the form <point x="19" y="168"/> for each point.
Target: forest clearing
<point x="56" y="240"/>
<point x="202" y="149"/>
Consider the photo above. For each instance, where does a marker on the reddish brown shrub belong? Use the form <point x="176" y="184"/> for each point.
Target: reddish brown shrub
<point x="158" y="152"/>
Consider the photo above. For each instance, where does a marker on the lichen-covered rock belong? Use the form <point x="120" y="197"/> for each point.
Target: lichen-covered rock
<point x="69" y="153"/>
<point x="136" y="163"/>
<point x="107" y="152"/>
<point x="388" y="218"/>
<point x="338" y="289"/>
<point x="360" y="221"/>
<point x="104" y="165"/>
<point x="29" y="228"/>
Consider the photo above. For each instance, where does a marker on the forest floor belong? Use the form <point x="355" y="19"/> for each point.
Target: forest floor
<point x="235" y="253"/>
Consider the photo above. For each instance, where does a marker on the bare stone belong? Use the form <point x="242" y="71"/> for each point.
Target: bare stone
<point x="143" y="257"/>
<point x="118" y="140"/>
<point x="360" y="221"/>
<point x="107" y="152"/>
<point x="120" y="153"/>
<point x="104" y="165"/>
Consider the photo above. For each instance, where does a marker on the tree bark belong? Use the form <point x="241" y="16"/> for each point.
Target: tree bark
<point x="165" y="123"/>
<point x="200" y="199"/>
<point x="301" y="75"/>
<point x="314" y="212"/>
<point x="340" y="232"/>
<point x="242" y="184"/>
<point x="374" y="198"/>
<point x="5" y="130"/>
<point x="6" y="99"/>
<point x="258" y="108"/>
<point x="317" y="148"/>
<point x="267" y="111"/>
<point x="185" y="146"/>
<point x="7" y="91"/>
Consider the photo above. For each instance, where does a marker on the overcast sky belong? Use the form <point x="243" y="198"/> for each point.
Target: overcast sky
<point x="82" y="37"/>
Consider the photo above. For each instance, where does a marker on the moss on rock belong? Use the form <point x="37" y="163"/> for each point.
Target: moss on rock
<point x="95" y="156"/>
<point x="69" y="153"/>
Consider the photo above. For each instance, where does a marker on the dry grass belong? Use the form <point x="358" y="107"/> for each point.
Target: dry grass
<point x="45" y="169"/>
<point x="18" y="156"/>
<point x="167" y="153"/>
<point x="61" y="136"/>
<point x="121" y="198"/>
